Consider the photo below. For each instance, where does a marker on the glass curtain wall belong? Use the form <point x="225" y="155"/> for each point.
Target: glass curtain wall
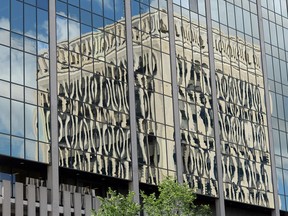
<point x="275" y="24"/>
<point x="241" y="103"/>
<point x="24" y="62"/>
<point x="94" y="131"/>
<point x="153" y="91"/>
<point x="194" y="95"/>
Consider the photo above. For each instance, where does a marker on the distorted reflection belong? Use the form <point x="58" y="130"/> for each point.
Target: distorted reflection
<point x="153" y="94"/>
<point x="195" y="99"/>
<point x="242" y="117"/>
<point x="93" y="107"/>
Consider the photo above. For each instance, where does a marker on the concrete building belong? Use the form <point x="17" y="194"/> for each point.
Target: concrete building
<point x="121" y="94"/>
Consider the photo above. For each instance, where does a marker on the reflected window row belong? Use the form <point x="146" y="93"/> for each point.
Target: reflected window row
<point x="113" y="10"/>
<point x="156" y="152"/>
<point x="98" y="24"/>
<point x="278" y="6"/>
<point x="243" y="17"/>
<point x="147" y="23"/>
<point x="95" y="163"/>
<point x="153" y="175"/>
<point x="25" y="94"/>
<point x="252" y="151"/>
<point x="274" y="34"/>
<point x="97" y="115"/>
<point x="197" y="140"/>
<point x="193" y="6"/>
<point x="206" y="186"/>
<point x="94" y="53"/>
<point x="190" y="98"/>
<point x="26" y="72"/>
<point x="94" y="71"/>
<point x="19" y="147"/>
<point x="24" y="120"/>
<point x="92" y="136"/>
<point x="155" y="129"/>
<point x="197" y="119"/>
<point x="281" y="160"/>
<point x="278" y="104"/>
<point x="25" y="19"/>
<point x="92" y="93"/>
<point x="153" y="106"/>
<point x="22" y="43"/>
<point x="280" y="141"/>
<point x="243" y="172"/>
<point x="246" y="195"/>
<point x="200" y="163"/>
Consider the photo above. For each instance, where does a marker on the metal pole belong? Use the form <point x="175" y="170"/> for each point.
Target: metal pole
<point x="134" y="186"/>
<point x="53" y="168"/>
<point x="172" y="52"/>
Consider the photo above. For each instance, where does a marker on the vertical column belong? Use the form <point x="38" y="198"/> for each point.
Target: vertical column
<point x="53" y="169"/>
<point x="31" y="200"/>
<point x="19" y="199"/>
<point x="6" y="193"/>
<point x="43" y="201"/>
<point x="66" y="203"/>
<point x="276" y="211"/>
<point x="220" y="204"/>
<point x="172" y="50"/>
<point x="88" y="205"/>
<point x="77" y="203"/>
<point x="134" y="186"/>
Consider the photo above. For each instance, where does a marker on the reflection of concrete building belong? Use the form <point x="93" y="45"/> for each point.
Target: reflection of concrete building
<point x="217" y="139"/>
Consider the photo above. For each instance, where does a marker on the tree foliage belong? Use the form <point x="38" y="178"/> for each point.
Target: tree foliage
<point x="174" y="199"/>
<point x="117" y="205"/>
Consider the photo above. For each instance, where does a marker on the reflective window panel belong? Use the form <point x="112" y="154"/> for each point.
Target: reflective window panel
<point x="24" y="80"/>
<point x="195" y="97"/>
<point x="242" y="113"/>
<point x="275" y="24"/>
<point x="93" y="109"/>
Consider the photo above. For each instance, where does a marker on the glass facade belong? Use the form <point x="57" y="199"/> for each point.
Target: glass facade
<point x="195" y="97"/>
<point x="241" y="103"/>
<point x="94" y="130"/>
<point x="24" y="101"/>
<point x="275" y="24"/>
<point x="95" y="92"/>
<point x="153" y="95"/>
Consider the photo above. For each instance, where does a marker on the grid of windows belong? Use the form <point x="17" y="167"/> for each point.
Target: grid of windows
<point x="241" y="103"/>
<point x="195" y="99"/>
<point x="23" y="49"/>
<point x="275" y="24"/>
<point x="92" y="87"/>
<point x="93" y="100"/>
<point x="153" y="95"/>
